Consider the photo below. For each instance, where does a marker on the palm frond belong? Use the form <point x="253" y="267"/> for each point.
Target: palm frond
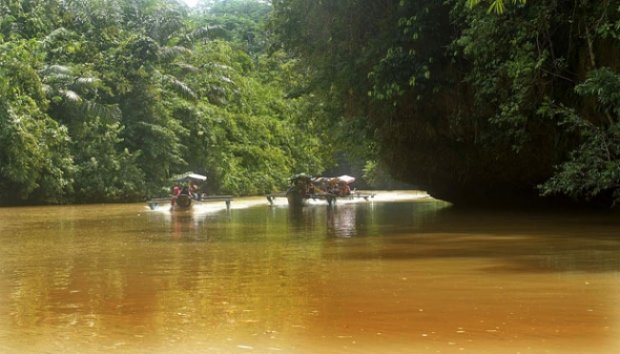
<point x="55" y="69"/>
<point x="217" y="66"/>
<point x="472" y="3"/>
<point x="496" y="6"/>
<point x="200" y="33"/>
<point x="70" y="96"/>
<point x="86" y="83"/>
<point x="187" y="68"/>
<point x="86" y="80"/>
<point x="217" y="32"/>
<point x="167" y="53"/>
<point x="58" y="80"/>
<point x="180" y="87"/>
<point x="47" y="89"/>
<point x="226" y="80"/>
<point x="58" y="34"/>
<point x="216" y="94"/>
<point x="106" y="112"/>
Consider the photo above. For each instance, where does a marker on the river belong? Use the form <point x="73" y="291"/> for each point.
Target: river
<point x="401" y="273"/>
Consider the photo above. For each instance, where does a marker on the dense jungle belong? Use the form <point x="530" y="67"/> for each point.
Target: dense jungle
<point x="472" y="101"/>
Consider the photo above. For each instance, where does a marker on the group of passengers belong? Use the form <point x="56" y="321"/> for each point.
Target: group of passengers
<point x="190" y="189"/>
<point x="327" y="185"/>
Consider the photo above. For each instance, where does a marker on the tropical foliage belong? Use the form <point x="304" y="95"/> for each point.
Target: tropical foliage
<point x="470" y="102"/>
<point x="496" y="6"/>
<point x="106" y="100"/>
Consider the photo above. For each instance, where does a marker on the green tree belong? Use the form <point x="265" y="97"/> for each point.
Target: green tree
<point x="105" y="100"/>
<point x="452" y="93"/>
<point x="35" y="162"/>
<point x="496" y="6"/>
<point x="593" y="169"/>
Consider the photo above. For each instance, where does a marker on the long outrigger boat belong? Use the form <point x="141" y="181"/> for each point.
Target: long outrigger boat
<point x="304" y="188"/>
<point x="183" y="198"/>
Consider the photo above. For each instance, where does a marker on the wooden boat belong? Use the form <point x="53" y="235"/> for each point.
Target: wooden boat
<point x="296" y="197"/>
<point x="186" y="197"/>
<point x="186" y="190"/>
<point x="304" y="188"/>
<point x="183" y="201"/>
<point x="180" y="202"/>
<point x="300" y="190"/>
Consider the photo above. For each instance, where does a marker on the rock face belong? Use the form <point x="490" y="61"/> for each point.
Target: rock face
<point x="472" y="106"/>
<point x="467" y="161"/>
<point x="460" y="175"/>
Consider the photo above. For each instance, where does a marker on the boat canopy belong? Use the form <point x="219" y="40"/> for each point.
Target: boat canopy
<point x="190" y="176"/>
<point x="341" y="179"/>
<point x="321" y="179"/>
<point x="300" y="176"/>
<point x="346" y="179"/>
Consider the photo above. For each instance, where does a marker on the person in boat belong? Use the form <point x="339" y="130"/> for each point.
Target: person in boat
<point x="333" y="187"/>
<point x="193" y="190"/>
<point x="311" y="189"/>
<point x="176" y="190"/>
<point x="344" y="189"/>
<point x="302" y="187"/>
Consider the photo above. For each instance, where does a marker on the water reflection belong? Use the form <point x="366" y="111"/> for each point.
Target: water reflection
<point x="336" y="221"/>
<point x="305" y="221"/>
<point x="384" y="277"/>
<point x="183" y="225"/>
<point x="341" y="221"/>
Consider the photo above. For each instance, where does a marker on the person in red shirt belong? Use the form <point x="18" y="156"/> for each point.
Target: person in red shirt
<point x="176" y="190"/>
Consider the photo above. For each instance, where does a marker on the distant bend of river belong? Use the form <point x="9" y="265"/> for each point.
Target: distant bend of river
<point x="400" y="273"/>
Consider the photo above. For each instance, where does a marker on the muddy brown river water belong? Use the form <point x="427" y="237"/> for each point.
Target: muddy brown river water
<point x="399" y="274"/>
